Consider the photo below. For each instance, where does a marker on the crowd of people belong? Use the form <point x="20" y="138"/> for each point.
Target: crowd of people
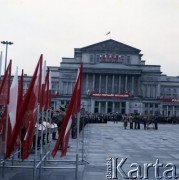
<point x="135" y="121"/>
<point x="130" y="121"/>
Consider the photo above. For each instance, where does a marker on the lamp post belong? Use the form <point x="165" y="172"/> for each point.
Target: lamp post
<point x="6" y="43"/>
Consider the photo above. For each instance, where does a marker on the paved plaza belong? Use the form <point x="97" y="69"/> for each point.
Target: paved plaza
<point x="104" y="141"/>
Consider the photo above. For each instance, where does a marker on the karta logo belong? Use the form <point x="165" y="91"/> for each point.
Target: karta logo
<point x="137" y="171"/>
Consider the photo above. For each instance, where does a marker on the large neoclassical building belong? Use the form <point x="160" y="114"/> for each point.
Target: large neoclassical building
<point x="116" y="79"/>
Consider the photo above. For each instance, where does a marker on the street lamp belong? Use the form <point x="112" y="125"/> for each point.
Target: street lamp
<point x="6" y="43"/>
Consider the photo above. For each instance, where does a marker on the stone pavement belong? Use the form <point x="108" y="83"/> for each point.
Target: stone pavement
<point x="110" y="140"/>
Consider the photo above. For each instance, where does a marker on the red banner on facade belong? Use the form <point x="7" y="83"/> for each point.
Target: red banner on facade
<point x="170" y="100"/>
<point x="112" y="95"/>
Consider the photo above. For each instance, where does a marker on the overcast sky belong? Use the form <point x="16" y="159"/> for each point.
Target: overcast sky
<point x="55" y="27"/>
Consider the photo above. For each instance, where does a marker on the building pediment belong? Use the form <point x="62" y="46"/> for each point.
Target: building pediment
<point x="111" y="46"/>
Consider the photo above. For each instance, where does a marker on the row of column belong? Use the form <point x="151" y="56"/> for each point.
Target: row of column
<point x="126" y="81"/>
<point x="110" y="107"/>
<point x="169" y="111"/>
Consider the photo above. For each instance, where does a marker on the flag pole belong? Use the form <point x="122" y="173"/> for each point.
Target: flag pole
<point x="83" y="161"/>
<point x="6" y="132"/>
<point x="41" y="140"/>
<point x="49" y="114"/>
<point x="36" y="139"/>
<point x="5" y="143"/>
<point x="77" y="145"/>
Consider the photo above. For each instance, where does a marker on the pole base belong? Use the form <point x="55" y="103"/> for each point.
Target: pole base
<point x="83" y="162"/>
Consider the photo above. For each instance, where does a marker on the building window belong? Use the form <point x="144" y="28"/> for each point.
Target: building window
<point x="97" y="58"/>
<point x="128" y="59"/>
<point x="122" y="58"/>
<point x="92" y="58"/>
<point x="96" y="107"/>
<point x="109" y="110"/>
<point x="53" y="86"/>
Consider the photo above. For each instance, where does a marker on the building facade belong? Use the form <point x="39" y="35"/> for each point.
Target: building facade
<point x="116" y="79"/>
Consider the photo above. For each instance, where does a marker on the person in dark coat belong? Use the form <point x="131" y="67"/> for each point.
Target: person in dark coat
<point x="156" y="123"/>
<point x="125" y="119"/>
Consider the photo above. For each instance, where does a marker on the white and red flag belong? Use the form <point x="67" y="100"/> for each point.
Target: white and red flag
<point x="73" y="108"/>
<point x="13" y="98"/>
<point x="12" y="107"/>
<point x="27" y="114"/>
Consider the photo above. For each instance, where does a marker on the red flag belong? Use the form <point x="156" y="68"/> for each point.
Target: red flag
<point x="12" y="107"/>
<point x="45" y="92"/>
<point x="5" y="86"/>
<point x="4" y="100"/>
<point x="27" y="114"/>
<point x="28" y="111"/>
<point x="73" y="108"/>
<point x="19" y="101"/>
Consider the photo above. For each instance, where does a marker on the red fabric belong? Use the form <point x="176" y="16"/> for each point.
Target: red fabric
<point x="5" y="86"/>
<point x="4" y="100"/>
<point x="73" y="108"/>
<point x="27" y="113"/>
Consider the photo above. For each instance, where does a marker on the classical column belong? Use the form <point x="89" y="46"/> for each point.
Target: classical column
<point x="100" y="83"/>
<point x="139" y="86"/>
<point x="87" y="88"/>
<point x="132" y="88"/>
<point x="113" y="83"/>
<point x="99" y="107"/>
<point x="153" y="109"/>
<point x="119" y="107"/>
<point x="119" y="90"/>
<point x="93" y="82"/>
<point x="148" y="90"/>
<point x="167" y="111"/>
<point x="148" y="108"/>
<point x="126" y="79"/>
<point x="113" y="106"/>
<point x="106" y="84"/>
<point x="173" y="111"/>
<point x="66" y="88"/>
<point x="106" y="108"/>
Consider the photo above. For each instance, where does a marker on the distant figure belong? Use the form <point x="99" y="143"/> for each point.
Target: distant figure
<point x="135" y="121"/>
<point x="131" y="121"/>
<point x="156" y="123"/>
<point x="125" y="121"/>
<point x="114" y="118"/>
<point x="145" y="121"/>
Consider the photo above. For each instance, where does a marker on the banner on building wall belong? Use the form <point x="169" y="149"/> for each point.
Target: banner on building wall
<point x="111" y="95"/>
<point x="170" y="100"/>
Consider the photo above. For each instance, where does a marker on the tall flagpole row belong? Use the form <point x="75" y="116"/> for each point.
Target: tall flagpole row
<point x="39" y="157"/>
